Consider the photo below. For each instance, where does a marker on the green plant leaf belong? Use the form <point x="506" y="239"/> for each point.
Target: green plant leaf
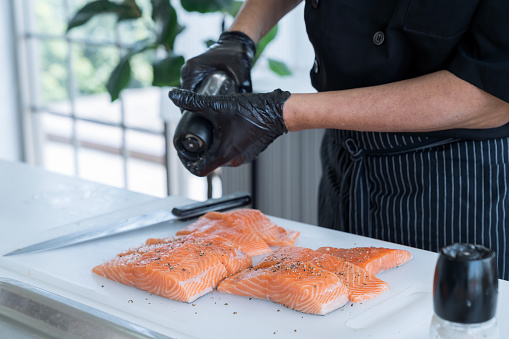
<point x="124" y="11"/>
<point x="119" y="78"/>
<point x="205" y="6"/>
<point x="167" y="26"/>
<point x="260" y="46"/>
<point x="210" y="42"/>
<point x="121" y="74"/>
<point x="167" y="70"/>
<point x="128" y="10"/>
<point x="279" y="67"/>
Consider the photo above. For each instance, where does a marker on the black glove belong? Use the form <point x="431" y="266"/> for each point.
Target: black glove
<point x="243" y="125"/>
<point x="232" y="54"/>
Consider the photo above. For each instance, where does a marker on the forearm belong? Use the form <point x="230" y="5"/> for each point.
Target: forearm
<point x="436" y="101"/>
<point x="257" y="17"/>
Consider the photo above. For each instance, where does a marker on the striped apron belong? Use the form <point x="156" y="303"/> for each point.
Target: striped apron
<point x="417" y="191"/>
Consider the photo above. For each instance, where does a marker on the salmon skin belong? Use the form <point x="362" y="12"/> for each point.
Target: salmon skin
<point x="249" y="228"/>
<point x="181" y="268"/>
<point x="373" y="259"/>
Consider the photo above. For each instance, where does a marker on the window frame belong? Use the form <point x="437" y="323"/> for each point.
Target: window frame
<point x="32" y="107"/>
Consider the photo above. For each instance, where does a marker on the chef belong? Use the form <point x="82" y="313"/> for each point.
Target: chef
<point x="414" y="97"/>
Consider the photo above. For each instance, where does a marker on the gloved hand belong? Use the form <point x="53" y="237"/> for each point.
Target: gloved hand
<point x="244" y="125"/>
<point x="233" y="53"/>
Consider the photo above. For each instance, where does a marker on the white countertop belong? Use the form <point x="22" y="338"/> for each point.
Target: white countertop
<point x="36" y="205"/>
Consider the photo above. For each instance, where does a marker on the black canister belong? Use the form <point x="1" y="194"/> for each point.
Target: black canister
<point x="465" y="286"/>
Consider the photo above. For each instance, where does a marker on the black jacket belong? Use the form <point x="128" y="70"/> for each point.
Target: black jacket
<point x="361" y="43"/>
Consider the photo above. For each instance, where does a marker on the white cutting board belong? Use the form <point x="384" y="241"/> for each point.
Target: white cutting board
<point x="36" y="205"/>
<point x="404" y="312"/>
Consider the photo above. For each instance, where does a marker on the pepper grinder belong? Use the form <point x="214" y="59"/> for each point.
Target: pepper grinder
<point x="465" y="292"/>
<point x="194" y="133"/>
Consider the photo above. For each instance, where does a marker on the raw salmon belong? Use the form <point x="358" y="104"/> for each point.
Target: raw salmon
<point x="227" y="226"/>
<point x="182" y="268"/>
<point x="272" y="234"/>
<point x="361" y="284"/>
<point x="232" y="256"/>
<point x="298" y="285"/>
<point x="250" y="228"/>
<point x="372" y="259"/>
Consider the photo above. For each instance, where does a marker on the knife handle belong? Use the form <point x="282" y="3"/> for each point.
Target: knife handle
<point x="218" y="204"/>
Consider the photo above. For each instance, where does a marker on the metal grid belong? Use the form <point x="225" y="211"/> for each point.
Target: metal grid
<point x="27" y="37"/>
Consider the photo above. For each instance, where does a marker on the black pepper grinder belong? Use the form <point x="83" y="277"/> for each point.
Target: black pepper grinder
<point x="465" y="292"/>
<point x="194" y="133"/>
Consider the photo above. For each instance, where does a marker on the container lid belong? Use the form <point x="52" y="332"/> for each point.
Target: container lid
<point x="465" y="285"/>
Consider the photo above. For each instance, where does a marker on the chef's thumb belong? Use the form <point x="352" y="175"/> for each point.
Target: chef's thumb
<point x="186" y="99"/>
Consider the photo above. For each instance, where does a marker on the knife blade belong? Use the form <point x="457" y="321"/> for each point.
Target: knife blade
<point x="181" y="213"/>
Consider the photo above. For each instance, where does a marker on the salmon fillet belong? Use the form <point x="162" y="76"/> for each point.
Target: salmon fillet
<point x="373" y="259"/>
<point x="272" y="234"/>
<point x="361" y="284"/>
<point x="298" y="285"/>
<point x="227" y="226"/>
<point x="181" y="268"/>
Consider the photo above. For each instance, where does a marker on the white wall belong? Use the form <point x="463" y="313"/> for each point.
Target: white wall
<point x="10" y="138"/>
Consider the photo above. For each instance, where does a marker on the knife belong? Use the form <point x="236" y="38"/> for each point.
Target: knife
<point x="181" y="213"/>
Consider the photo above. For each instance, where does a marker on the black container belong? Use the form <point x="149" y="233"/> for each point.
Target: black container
<point x="194" y="133"/>
<point x="193" y="136"/>
<point x="465" y="286"/>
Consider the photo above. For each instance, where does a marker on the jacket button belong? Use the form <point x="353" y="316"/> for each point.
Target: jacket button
<point x="378" y="38"/>
<point x="315" y="66"/>
<point x="315" y="3"/>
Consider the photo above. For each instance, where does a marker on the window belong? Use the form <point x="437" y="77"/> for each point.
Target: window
<point x="74" y="128"/>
